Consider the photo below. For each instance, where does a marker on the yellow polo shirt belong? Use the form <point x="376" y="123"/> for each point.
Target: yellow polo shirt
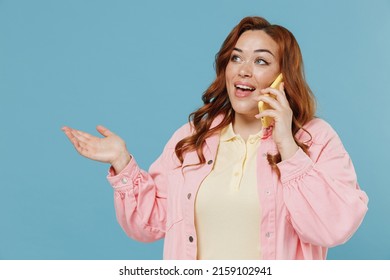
<point x="227" y="208"/>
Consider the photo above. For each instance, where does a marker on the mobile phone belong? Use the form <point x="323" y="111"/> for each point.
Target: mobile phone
<point x="267" y="121"/>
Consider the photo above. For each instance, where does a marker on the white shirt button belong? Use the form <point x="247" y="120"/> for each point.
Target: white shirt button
<point x="124" y="180"/>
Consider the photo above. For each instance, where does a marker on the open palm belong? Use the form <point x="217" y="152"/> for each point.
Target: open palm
<point x="108" y="149"/>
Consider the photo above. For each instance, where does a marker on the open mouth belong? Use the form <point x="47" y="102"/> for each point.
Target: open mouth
<point x="244" y="87"/>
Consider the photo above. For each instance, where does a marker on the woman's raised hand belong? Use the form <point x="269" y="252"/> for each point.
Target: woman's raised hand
<point x="282" y="114"/>
<point x="109" y="149"/>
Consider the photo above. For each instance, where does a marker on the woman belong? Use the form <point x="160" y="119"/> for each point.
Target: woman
<point x="225" y="187"/>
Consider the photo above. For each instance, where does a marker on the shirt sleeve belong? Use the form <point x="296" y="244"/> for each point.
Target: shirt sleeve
<point x="140" y="197"/>
<point x="321" y="192"/>
<point x="140" y="202"/>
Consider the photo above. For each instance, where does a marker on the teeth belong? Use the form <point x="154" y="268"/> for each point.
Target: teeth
<point x="245" y="87"/>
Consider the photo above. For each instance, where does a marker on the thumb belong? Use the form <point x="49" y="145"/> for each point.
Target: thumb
<point x="103" y="131"/>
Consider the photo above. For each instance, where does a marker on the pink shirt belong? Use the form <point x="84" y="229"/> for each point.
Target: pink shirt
<point x="316" y="204"/>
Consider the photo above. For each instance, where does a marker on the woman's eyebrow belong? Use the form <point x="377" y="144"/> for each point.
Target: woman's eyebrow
<point x="259" y="50"/>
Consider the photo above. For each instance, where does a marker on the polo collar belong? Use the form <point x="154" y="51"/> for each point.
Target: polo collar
<point x="228" y="134"/>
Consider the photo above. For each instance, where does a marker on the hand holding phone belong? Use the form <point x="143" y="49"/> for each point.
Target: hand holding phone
<point x="267" y="121"/>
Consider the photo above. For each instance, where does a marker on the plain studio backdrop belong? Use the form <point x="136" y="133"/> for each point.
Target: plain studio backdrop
<point x="140" y="68"/>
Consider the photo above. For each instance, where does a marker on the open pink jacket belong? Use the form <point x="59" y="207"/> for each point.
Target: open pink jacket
<point x="316" y="203"/>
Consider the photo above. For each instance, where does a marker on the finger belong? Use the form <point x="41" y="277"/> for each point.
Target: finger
<point x="83" y="135"/>
<point x="283" y="100"/>
<point x="77" y="139"/>
<point x="267" y="113"/>
<point x="68" y="131"/>
<point x="281" y="88"/>
<point x="75" y="142"/>
<point x="103" y="131"/>
<point x="279" y="94"/>
<point x="69" y="134"/>
<point x="271" y="91"/>
<point x="82" y="149"/>
<point x="271" y="101"/>
<point x="86" y="149"/>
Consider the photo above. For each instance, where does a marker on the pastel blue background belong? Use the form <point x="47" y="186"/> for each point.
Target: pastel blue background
<point x="139" y="68"/>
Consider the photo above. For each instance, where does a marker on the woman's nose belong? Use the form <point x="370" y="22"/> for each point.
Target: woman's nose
<point x="245" y="70"/>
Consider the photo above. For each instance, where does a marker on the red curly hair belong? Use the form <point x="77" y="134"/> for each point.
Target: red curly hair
<point x="216" y="101"/>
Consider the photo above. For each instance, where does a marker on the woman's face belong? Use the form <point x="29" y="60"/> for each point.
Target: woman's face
<point x="253" y="65"/>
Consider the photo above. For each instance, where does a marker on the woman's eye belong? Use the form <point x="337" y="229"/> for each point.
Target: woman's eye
<point x="261" y="61"/>
<point x="235" y="58"/>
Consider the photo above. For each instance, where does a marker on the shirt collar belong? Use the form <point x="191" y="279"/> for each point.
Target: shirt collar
<point x="228" y="134"/>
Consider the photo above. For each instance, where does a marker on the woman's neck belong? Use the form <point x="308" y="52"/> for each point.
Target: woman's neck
<point x="245" y="126"/>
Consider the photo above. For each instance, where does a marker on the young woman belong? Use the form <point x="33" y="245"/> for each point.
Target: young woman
<point x="225" y="187"/>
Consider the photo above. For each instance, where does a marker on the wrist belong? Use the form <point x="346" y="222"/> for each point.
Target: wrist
<point x="287" y="149"/>
<point x="121" y="162"/>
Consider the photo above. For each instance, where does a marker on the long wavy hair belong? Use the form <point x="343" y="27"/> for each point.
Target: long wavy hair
<point x="216" y="101"/>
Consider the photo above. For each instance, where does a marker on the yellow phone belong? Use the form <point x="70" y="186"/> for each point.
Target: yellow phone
<point x="267" y="121"/>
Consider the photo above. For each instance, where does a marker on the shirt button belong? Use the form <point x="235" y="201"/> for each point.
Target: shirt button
<point x="252" y="141"/>
<point x="210" y="162"/>
<point x="124" y="180"/>
<point x="268" y="192"/>
<point x="264" y="155"/>
<point x="268" y="234"/>
<point x="189" y="195"/>
<point x="191" y="239"/>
